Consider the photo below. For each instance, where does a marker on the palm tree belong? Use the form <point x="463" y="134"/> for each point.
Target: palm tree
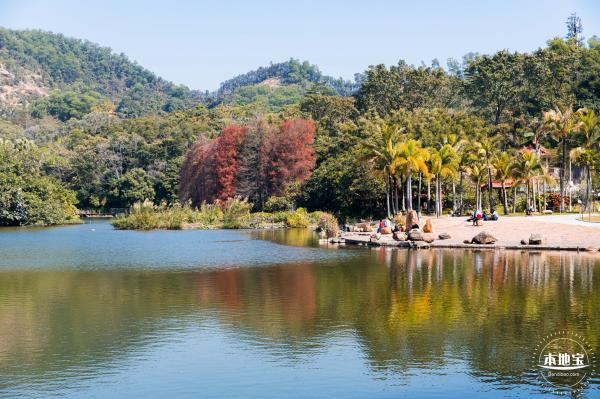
<point x="381" y="148"/>
<point x="586" y="154"/>
<point x="503" y="164"/>
<point x="457" y="143"/>
<point x="562" y="122"/>
<point x="409" y="158"/>
<point x="526" y="167"/>
<point x="477" y="171"/>
<point x="444" y="163"/>
<point x="486" y="148"/>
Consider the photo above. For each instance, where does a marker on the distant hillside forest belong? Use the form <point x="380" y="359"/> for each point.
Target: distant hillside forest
<point x="82" y="127"/>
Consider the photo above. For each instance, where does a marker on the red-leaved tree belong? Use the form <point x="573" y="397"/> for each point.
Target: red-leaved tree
<point x="226" y="159"/>
<point x="253" y="162"/>
<point x="291" y="154"/>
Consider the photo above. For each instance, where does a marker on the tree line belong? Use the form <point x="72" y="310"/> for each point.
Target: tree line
<point x="425" y="137"/>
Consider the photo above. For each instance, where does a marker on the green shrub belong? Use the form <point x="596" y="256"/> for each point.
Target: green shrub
<point x="298" y="218"/>
<point x="236" y="213"/>
<point x="209" y="215"/>
<point x="277" y="204"/>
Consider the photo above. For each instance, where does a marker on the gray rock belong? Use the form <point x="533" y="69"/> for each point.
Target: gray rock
<point x="416" y="235"/>
<point x="484" y="238"/>
<point x="536" y="239"/>
<point x="444" y="236"/>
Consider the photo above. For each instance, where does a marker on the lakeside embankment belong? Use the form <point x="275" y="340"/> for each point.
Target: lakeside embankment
<point x="558" y="232"/>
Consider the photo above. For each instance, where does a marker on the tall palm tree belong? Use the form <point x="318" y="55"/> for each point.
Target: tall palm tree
<point x="526" y="167"/>
<point x="503" y="164"/>
<point x="587" y="152"/>
<point x="409" y="158"/>
<point x="477" y="171"/>
<point x="444" y="164"/>
<point x="562" y="122"/>
<point x="457" y="143"/>
<point x="380" y="148"/>
<point x="486" y="148"/>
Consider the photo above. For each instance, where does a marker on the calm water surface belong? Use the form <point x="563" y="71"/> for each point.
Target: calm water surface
<point x="87" y="311"/>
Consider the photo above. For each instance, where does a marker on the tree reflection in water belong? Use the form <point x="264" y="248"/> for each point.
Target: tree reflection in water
<point x="407" y="309"/>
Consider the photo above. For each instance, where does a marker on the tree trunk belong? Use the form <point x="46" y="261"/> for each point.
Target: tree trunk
<point x="438" y="196"/>
<point x="453" y="197"/>
<point x="527" y="198"/>
<point x="504" y="199"/>
<point x="396" y="203"/>
<point x="533" y="195"/>
<point x="428" y="196"/>
<point x="387" y="195"/>
<point x="515" y="197"/>
<point x="419" y="194"/>
<point x="490" y="188"/>
<point x="562" y="175"/>
<point x="460" y="191"/>
<point x="409" y="192"/>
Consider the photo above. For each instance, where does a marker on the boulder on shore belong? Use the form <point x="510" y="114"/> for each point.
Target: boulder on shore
<point x="536" y="239"/>
<point x="400" y="236"/>
<point x="428" y="227"/>
<point x="386" y="230"/>
<point x="415" y="235"/>
<point x="419" y="235"/>
<point x="366" y="227"/>
<point x="412" y="219"/>
<point x="444" y="236"/>
<point x="483" y="238"/>
<point x="523" y="242"/>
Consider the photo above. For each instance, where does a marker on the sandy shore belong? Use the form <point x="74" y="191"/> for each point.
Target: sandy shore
<point x="559" y="231"/>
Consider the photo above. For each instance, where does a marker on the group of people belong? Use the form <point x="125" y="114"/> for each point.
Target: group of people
<point x="387" y="223"/>
<point x="479" y="215"/>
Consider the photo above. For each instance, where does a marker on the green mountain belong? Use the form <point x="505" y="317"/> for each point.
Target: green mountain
<point x="279" y="85"/>
<point x="64" y="77"/>
<point x="44" y="73"/>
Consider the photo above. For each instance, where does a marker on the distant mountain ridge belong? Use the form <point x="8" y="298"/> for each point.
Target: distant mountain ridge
<point x="49" y="73"/>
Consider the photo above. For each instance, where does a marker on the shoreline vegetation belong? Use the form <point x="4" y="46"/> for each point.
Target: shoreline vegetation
<point x="504" y="132"/>
<point x="233" y="213"/>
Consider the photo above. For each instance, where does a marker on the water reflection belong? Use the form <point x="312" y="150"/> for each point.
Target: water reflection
<point x="408" y="316"/>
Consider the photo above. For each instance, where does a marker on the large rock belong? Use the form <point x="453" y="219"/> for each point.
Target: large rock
<point x="399" y="236"/>
<point x="484" y="238"/>
<point x="366" y="227"/>
<point x="428" y="227"/>
<point x="416" y="235"/>
<point x="412" y="219"/>
<point x="536" y="239"/>
<point x="444" y="236"/>
<point x="386" y="230"/>
<point x="419" y="235"/>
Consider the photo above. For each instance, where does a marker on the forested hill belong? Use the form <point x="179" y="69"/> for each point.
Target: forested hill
<point x="43" y="73"/>
<point x="65" y="77"/>
<point x="279" y="85"/>
<point x="286" y="73"/>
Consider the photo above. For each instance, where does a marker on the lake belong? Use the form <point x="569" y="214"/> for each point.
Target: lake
<point x="90" y="312"/>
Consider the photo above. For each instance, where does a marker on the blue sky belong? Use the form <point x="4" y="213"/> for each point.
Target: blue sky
<point x="202" y="43"/>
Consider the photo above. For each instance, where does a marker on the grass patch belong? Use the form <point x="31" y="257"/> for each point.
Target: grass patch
<point x="231" y="214"/>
